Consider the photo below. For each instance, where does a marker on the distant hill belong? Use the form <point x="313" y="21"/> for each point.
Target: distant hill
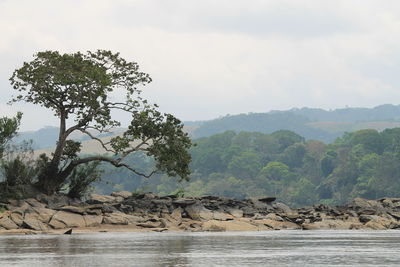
<point x="318" y="124"/>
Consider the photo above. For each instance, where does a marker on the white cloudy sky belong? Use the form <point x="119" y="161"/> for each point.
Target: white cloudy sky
<point x="213" y="57"/>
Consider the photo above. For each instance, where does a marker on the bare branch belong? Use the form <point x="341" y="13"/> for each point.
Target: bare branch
<point x="104" y="145"/>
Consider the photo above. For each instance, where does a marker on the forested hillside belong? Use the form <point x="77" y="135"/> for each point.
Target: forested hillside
<point x="364" y="163"/>
<point x="317" y="124"/>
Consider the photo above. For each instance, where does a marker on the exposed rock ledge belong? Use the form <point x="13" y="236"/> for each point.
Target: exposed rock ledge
<point x="147" y="212"/>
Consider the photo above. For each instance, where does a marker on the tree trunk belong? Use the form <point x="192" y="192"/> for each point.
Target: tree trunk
<point x="50" y="180"/>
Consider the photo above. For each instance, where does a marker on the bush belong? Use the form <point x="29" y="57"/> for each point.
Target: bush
<point x="78" y="183"/>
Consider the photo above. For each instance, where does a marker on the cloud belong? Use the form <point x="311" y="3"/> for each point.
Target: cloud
<point x="209" y="58"/>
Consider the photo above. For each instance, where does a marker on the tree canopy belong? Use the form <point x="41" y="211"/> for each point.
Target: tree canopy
<point x="78" y="88"/>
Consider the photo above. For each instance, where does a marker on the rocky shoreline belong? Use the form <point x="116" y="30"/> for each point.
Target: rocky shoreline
<point x="123" y="211"/>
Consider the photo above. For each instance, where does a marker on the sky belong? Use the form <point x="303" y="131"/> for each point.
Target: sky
<point x="210" y="58"/>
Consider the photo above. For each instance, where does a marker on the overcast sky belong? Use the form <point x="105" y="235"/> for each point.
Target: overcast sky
<point x="215" y="57"/>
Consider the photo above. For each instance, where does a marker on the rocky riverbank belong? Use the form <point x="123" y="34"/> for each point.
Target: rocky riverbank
<point x="123" y="211"/>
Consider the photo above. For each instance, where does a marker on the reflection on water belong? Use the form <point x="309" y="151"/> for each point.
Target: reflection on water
<point x="274" y="248"/>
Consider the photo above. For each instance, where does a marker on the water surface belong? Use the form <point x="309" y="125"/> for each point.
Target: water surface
<point x="270" y="248"/>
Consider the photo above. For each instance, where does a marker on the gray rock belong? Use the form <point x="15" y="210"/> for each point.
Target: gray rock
<point x="7" y="223"/>
<point x="123" y="194"/>
<point x="100" y="199"/>
<point x="34" y="224"/>
<point x="69" y="219"/>
<point x="199" y="212"/>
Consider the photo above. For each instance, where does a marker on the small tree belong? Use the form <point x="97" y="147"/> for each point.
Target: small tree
<point x="77" y="87"/>
<point x="8" y="129"/>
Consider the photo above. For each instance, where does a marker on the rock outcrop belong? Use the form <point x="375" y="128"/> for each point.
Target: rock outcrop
<point x="208" y="213"/>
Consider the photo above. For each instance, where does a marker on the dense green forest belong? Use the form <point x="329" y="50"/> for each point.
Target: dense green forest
<point x="364" y="163"/>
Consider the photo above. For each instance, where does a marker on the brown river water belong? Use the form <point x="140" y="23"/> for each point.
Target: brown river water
<point x="270" y="248"/>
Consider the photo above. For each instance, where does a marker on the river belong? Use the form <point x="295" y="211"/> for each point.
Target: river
<point x="270" y="248"/>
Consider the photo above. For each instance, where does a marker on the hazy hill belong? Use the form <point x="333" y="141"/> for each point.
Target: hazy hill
<point x="318" y="124"/>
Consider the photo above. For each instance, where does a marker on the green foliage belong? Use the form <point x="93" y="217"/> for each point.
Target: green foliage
<point x="77" y="87"/>
<point x="8" y="130"/>
<point x="304" y="173"/>
<point x="80" y="180"/>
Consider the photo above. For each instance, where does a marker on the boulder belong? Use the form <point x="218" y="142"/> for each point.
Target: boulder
<point x="100" y="199"/>
<point x="237" y="213"/>
<point x="277" y="225"/>
<point x="92" y="220"/>
<point x="332" y="224"/>
<point x="17" y="218"/>
<point x="220" y="216"/>
<point x="123" y="194"/>
<point x="281" y="208"/>
<point x="56" y="224"/>
<point x="69" y="219"/>
<point x="34" y="224"/>
<point x="258" y="204"/>
<point x="34" y="203"/>
<point x="367" y="207"/>
<point x="7" y="223"/>
<point x="121" y="218"/>
<point x="177" y="214"/>
<point x="274" y="217"/>
<point x="44" y="214"/>
<point x="183" y="202"/>
<point x="214" y="225"/>
<point x="73" y="209"/>
<point x="199" y="212"/>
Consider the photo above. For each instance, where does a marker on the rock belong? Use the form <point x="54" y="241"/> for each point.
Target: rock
<point x="177" y="214"/>
<point x="34" y="203"/>
<point x="332" y="224"/>
<point x="24" y="208"/>
<point x="379" y="222"/>
<point x="260" y="204"/>
<point x="69" y="232"/>
<point x="44" y="214"/>
<point x="183" y="202"/>
<point x="267" y="199"/>
<point x="73" y="209"/>
<point x="34" y="224"/>
<point x="158" y="224"/>
<point x="277" y="225"/>
<point x="69" y="219"/>
<point x="99" y="199"/>
<point x="214" y="225"/>
<point x="395" y="215"/>
<point x="54" y="201"/>
<point x="7" y="223"/>
<point x="92" y="220"/>
<point x="237" y="213"/>
<point x="367" y="207"/>
<point x="123" y="194"/>
<point x="282" y="208"/>
<point x="121" y="218"/>
<point x="220" y="216"/>
<point x="274" y="217"/>
<point x="17" y="218"/>
<point x="199" y="212"/>
<point x="57" y="224"/>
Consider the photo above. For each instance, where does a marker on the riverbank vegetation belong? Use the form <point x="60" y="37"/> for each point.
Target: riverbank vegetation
<point x="78" y="89"/>
<point x="364" y="163"/>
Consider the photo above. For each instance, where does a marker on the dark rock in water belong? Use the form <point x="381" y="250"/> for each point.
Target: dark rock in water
<point x="69" y="232"/>
<point x="183" y="202"/>
<point x="267" y="199"/>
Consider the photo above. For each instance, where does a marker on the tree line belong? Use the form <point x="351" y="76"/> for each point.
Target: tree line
<point x="364" y="163"/>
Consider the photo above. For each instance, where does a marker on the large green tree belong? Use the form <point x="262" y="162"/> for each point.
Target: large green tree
<point x="77" y="87"/>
